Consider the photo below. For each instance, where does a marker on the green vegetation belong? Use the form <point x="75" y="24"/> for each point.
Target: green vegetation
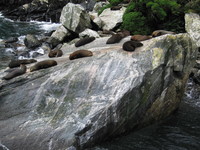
<point x="111" y="3"/>
<point x="145" y="16"/>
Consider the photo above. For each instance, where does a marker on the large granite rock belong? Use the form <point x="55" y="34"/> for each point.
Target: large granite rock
<point x="110" y="19"/>
<point x="75" y="18"/>
<point x="80" y="103"/>
<point x="192" y="26"/>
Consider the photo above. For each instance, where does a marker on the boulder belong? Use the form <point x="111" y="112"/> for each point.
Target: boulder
<point x="31" y="41"/>
<point x="82" y="102"/>
<point x="52" y="42"/>
<point x="192" y="26"/>
<point x="61" y="33"/>
<point x="110" y="19"/>
<point x="89" y="33"/>
<point x="96" y="19"/>
<point x="75" y="18"/>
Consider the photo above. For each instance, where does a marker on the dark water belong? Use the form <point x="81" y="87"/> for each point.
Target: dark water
<point x="181" y="131"/>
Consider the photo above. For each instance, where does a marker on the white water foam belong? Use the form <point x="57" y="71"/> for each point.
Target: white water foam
<point x="1" y="15"/>
<point x="3" y="146"/>
<point x="47" y="26"/>
<point x="9" y="50"/>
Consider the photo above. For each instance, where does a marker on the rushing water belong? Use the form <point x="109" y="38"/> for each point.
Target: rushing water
<point x="9" y="28"/>
<point x="181" y="131"/>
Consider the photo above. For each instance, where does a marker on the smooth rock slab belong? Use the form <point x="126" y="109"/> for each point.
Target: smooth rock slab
<point x="83" y="102"/>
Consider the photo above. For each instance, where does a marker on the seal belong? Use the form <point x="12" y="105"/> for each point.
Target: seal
<point x="17" y="63"/>
<point x="84" y="41"/>
<point x="79" y="54"/>
<point x="115" y="7"/>
<point x="161" y="32"/>
<point x="131" y="45"/>
<point x="55" y="53"/>
<point x="115" y="38"/>
<point x="16" y="72"/>
<point x="43" y="64"/>
<point x="140" y="37"/>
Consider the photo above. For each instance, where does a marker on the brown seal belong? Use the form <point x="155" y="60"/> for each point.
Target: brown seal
<point x="43" y="64"/>
<point x="84" y="41"/>
<point x="115" y="7"/>
<point x="55" y="53"/>
<point x="16" y="72"/>
<point x="115" y="38"/>
<point x="140" y="37"/>
<point x="131" y="45"/>
<point x="80" y="54"/>
<point x="161" y="32"/>
<point x="17" y="63"/>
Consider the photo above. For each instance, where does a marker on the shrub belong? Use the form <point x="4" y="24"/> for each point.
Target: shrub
<point x="135" y="22"/>
<point x="144" y="16"/>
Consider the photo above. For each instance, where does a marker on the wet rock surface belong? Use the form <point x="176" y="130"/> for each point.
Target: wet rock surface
<point x="41" y="10"/>
<point x="82" y="102"/>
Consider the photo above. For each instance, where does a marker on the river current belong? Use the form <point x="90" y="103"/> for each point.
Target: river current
<point x="180" y="131"/>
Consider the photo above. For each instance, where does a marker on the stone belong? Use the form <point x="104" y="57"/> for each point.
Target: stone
<point x="89" y="33"/>
<point x="31" y="41"/>
<point x="98" y="6"/>
<point x="110" y="19"/>
<point x="96" y="19"/>
<point x="61" y="33"/>
<point x="83" y="102"/>
<point x="75" y="18"/>
<point x="52" y="42"/>
<point x="192" y="26"/>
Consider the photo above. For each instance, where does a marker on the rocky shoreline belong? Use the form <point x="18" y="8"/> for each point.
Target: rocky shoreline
<point x="40" y="10"/>
<point x="80" y="103"/>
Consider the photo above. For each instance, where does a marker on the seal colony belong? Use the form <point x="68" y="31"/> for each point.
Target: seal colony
<point x="131" y="45"/>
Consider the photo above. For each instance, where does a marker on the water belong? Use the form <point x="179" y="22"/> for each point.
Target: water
<point x="9" y="28"/>
<point x="181" y="131"/>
